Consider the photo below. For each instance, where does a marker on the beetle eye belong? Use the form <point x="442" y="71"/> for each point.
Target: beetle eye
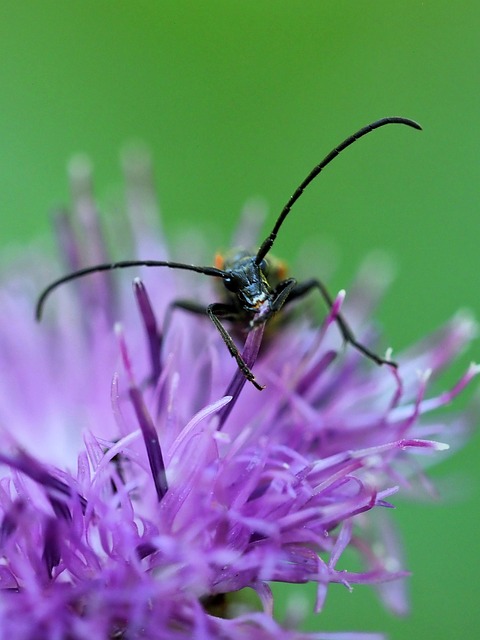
<point x="230" y="283"/>
<point x="264" y="266"/>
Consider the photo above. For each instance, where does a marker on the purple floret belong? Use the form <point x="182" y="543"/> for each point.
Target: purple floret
<point x="144" y="482"/>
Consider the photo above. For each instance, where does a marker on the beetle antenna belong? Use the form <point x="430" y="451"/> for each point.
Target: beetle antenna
<point x="268" y="242"/>
<point x="124" y="264"/>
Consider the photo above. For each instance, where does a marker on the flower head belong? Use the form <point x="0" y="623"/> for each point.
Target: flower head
<point x="144" y="483"/>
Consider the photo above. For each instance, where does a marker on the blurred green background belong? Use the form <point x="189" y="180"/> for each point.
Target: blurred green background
<point x="238" y="99"/>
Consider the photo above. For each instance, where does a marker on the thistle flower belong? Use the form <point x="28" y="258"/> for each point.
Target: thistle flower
<point x="143" y="484"/>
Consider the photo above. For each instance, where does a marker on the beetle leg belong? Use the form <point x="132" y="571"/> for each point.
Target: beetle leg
<point x="279" y="296"/>
<point x="282" y="291"/>
<point x="303" y="288"/>
<point x="197" y="309"/>
<point x="216" y="311"/>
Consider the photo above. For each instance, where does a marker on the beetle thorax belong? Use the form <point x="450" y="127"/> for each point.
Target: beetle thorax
<point x="246" y="280"/>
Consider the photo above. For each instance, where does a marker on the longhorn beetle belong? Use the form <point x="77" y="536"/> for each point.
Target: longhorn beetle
<point x="255" y="292"/>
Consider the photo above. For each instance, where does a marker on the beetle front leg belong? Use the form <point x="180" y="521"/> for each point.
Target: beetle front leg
<point x="282" y="291"/>
<point x="279" y="297"/>
<point x="216" y="311"/>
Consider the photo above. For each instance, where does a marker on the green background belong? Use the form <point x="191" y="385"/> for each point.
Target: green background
<point x="238" y="99"/>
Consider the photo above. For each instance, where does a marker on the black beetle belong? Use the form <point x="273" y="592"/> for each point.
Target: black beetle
<point x="256" y="288"/>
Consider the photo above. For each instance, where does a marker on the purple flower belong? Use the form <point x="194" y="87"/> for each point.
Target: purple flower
<point x="143" y="483"/>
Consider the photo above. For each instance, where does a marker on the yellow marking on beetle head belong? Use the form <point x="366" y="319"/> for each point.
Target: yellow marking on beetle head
<point x="219" y="261"/>
<point x="282" y="270"/>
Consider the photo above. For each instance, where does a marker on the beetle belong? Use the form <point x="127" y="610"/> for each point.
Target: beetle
<point x="255" y="291"/>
